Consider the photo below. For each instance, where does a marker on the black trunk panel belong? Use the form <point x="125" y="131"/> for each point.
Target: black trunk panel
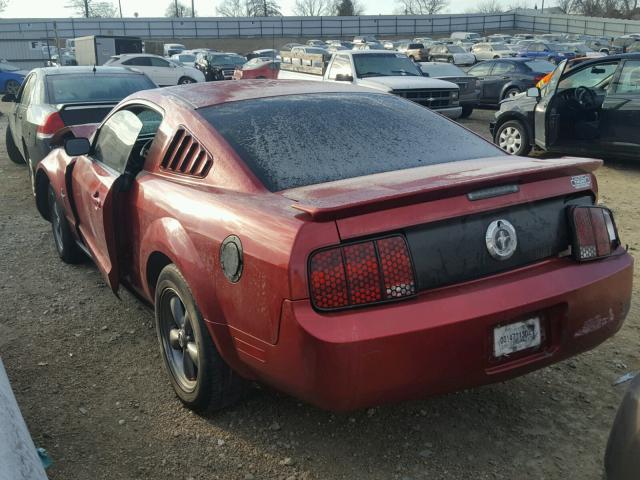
<point x="79" y="116"/>
<point x="454" y="251"/>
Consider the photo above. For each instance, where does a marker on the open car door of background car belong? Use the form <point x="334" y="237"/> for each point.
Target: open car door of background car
<point x="95" y="179"/>
<point x="545" y="114"/>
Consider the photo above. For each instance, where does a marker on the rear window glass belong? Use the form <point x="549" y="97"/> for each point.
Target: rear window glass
<point x="540" y="66"/>
<point x="442" y="70"/>
<point x="297" y="140"/>
<point x="89" y="87"/>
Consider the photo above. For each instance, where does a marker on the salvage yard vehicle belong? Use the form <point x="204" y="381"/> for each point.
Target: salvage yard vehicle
<point x="383" y="70"/>
<point x="468" y="85"/>
<point x="261" y="68"/>
<point x="591" y="109"/>
<point x="348" y="270"/>
<point x="488" y="51"/>
<point x="451" y="53"/>
<point x="56" y="97"/>
<point x="11" y="77"/>
<point x="162" y="71"/>
<point x="507" y="77"/>
<point x="554" y="53"/>
<point x="217" y="66"/>
<point x="415" y="51"/>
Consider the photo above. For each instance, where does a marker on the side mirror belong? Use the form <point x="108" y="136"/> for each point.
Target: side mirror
<point x="9" y="97"/>
<point x="74" y="147"/>
<point x="533" y="92"/>
<point x="341" y="77"/>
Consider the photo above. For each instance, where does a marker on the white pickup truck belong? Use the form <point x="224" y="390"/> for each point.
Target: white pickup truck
<point x="391" y="72"/>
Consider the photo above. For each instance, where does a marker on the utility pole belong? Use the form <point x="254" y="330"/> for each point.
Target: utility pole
<point x="176" y="4"/>
<point x="86" y="8"/>
<point x="542" y="9"/>
<point x="193" y="8"/>
<point x="120" y="7"/>
<point x="265" y="7"/>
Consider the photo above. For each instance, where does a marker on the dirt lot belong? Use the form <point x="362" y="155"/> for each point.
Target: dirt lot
<point x="86" y="371"/>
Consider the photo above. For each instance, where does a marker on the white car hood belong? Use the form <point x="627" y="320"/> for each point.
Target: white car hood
<point x="404" y="83"/>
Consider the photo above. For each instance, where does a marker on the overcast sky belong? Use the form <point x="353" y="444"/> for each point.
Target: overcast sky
<point x="156" y="8"/>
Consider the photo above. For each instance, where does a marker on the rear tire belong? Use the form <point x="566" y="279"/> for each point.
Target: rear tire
<point x="14" y="154"/>
<point x="512" y="137"/>
<point x="200" y="377"/>
<point x="466" y="111"/>
<point x="62" y="238"/>
<point x="186" y="81"/>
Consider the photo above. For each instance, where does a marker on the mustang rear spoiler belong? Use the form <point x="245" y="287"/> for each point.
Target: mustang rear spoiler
<point x="394" y="189"/>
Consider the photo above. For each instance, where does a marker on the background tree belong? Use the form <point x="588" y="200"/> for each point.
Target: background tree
<point x="3" y="5"/>
<point x="177" y="9"/>
<point x="421" y="7"/>
<point x="233" y="8"/>
<point x="347" y="8"/>
<point x="312" y="8"/>
<point x="488" y="7"/>
<point x="93" y="8"/>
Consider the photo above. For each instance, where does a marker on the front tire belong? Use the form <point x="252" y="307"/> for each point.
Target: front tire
<point x="200" y="377"/>
<point x="186" y="81"/>
<point x="513" y="138"/>
<point x="466" y="111"/>
<point x="62" y="238"/>
<point x="14" y="154"/>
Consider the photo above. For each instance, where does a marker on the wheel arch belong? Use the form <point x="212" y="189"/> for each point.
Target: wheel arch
<point x="42" y="194"/>
<point x="509" y="116"/>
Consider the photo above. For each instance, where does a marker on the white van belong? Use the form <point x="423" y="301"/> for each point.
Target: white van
<point x="469" y="36"/>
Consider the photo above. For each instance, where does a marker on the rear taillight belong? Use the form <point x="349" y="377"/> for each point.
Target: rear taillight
<point x="537" y="78"/>
<point x="51" y="125"/>
<point x="361" y="273"/>
<point x="594" y="232"/>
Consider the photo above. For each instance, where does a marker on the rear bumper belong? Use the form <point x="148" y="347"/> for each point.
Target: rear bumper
<point x="442" y="340"/>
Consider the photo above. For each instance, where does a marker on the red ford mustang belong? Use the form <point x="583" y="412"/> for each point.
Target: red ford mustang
<point x="288" y="232"/>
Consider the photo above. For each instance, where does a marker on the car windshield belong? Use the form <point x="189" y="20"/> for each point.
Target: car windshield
<point x="596" y="76"/>
<point x="296" y="140"/>
<point x="8" y="67"/>
<point x="226" y="59"/>
<point x="456" y="49"/>
<point x="90" y="87"/>
<point x="442" y="70"/>
<point x="187" y="58"/>
<point x="540" y="66"/>
<point x="384" y="65"/>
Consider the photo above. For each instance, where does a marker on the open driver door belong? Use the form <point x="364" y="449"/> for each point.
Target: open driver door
<point x="96" y="179"/>
<point x="545" y="113"/>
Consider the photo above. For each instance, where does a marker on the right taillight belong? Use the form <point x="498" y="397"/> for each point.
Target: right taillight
<point x="594" y="232"/>
<point x="52" y="123"/>
<point x="361" y="273"/>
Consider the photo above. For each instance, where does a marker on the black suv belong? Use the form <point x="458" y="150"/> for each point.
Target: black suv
<point x="218" y="66"/>
<point x="590" y="109"/>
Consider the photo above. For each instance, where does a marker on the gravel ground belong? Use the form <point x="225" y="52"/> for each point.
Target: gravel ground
<point x="87" y="373"/>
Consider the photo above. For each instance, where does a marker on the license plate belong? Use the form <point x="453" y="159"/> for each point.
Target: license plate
<point x="516" y="337"/>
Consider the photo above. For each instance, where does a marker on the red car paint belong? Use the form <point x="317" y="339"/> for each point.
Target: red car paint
<point x="265" y="70"/>
<point x="265" y="327"/>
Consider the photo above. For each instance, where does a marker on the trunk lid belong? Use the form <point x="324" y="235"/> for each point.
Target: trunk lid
<point x="84" y="113"/>
<point x="445" y="212"/>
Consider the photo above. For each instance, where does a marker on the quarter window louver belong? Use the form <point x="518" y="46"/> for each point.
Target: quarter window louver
<point x="186" y="156"/>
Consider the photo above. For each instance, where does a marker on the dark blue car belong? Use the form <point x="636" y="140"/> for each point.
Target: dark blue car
<point x="11" y="77"/>
<point x="547" y="51"/>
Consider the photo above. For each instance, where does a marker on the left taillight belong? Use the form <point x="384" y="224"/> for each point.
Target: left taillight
<point x="361" y="273"/>
<point x="52" y="123"/>
<point x="594" y="232"/>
